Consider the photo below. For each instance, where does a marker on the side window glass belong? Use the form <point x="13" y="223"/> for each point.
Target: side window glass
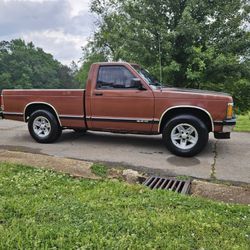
<point x="114" y="77"/>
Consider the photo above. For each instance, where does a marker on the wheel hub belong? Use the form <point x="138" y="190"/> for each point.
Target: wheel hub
<point x="184" y="136"/>
<point x="41" y="126"/>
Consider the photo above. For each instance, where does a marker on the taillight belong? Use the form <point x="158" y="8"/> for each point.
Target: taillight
<point x="1" y="101"/>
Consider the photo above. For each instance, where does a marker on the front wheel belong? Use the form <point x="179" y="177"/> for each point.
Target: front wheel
<point x="185" y="135"/>
<point x="44" y="127"/>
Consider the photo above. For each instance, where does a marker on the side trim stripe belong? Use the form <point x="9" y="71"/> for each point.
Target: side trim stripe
<point x="129" y="120"/>
<point x="225" y="122"/>
<point x="69" y="117"/>
<point x="110" y="119"/>
<point x="218" y="122"/>
<point x="13" y="113"/>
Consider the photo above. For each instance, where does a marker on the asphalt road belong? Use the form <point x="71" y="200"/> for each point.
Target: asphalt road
<point x="221" y="159"/>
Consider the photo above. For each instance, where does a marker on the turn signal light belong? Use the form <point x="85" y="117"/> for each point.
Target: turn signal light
<point x="230" y="110"/>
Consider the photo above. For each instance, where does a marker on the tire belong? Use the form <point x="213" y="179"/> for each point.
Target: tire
<point x="44" y="127"/>
<point x="185" y="135"/>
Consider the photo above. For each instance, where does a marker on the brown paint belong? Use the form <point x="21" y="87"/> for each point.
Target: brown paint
<point x="132" y="110"/>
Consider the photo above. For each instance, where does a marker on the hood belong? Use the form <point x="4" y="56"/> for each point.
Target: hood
<point x="182" y="93"/>
<point x="196" y="91"/>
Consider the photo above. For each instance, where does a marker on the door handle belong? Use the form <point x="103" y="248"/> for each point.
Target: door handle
<point x="99" y="94"/>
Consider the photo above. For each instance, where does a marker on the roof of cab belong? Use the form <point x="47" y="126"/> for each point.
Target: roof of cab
<point x="115" y="63"/>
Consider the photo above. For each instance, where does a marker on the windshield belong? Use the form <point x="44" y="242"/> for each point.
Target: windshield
<point x="151" y="80"/>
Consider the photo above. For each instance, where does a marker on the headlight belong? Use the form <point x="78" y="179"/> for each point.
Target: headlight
<point x="230" y="110"/>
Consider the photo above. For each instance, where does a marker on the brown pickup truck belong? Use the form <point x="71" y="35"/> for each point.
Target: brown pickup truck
<point x="124" y="98"/>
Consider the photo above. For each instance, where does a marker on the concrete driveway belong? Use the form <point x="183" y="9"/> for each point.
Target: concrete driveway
<point x="222" y="159"/>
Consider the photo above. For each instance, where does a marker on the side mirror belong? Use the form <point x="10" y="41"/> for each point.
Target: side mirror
<point x="136" y="83"/>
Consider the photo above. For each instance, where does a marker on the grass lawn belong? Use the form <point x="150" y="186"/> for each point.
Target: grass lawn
<point x="45" y="210"/>
<point x="243" y="123"/>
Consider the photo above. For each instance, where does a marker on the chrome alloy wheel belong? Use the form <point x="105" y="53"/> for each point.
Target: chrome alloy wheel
<point x="41" y="126"/>
<point x="184" y="136"/>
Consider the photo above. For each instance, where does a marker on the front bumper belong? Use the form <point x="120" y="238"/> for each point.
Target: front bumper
<point x="227" y="128"/>
<point x="228" y="125"/>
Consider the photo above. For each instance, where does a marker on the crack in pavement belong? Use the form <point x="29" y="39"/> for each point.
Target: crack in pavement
<point x="213" y="165"/>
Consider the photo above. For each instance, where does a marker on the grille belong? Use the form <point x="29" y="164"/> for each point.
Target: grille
<point x="179" y="186"/>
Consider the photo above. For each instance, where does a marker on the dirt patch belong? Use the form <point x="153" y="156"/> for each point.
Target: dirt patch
<point x="115" y="173"/>
<point x="221" y="192"/>
<point x="73" y="167"/>
<point x="21" y="149"/>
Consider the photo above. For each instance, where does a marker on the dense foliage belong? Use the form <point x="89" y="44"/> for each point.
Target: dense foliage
<point x="44" y="210"/>
<point x="186" y="43"/>
<point x="25" y="66"/>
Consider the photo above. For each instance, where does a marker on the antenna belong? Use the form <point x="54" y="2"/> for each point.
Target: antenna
<point x="160" y="62"/>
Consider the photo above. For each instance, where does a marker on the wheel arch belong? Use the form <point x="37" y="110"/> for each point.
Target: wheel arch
<point x="199" y="112"/>
<point x="33" y="106"/>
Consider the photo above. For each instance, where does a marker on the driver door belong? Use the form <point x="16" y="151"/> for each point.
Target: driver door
<point x="118" y="105"/>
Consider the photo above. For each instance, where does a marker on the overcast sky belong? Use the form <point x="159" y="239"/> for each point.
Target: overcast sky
<point x="60" y="27"/>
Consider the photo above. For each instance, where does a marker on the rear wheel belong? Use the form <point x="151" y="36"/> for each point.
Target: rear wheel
<point x="185" y="135"/>
<point x="44" y="127"/>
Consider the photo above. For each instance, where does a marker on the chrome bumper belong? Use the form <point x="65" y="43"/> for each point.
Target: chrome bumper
<point x="227" y="128"/>
<point x="228" y="125"/>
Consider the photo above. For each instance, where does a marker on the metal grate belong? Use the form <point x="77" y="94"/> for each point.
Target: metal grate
<point x="172" y="184"/>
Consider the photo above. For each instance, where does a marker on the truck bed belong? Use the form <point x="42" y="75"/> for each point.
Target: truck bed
<point x="67" y="104"/>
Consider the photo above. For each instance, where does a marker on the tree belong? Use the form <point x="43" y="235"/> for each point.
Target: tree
<point x="91" y="55"/>
<point x="186" y="43"/>
<point x="25" y="66"/>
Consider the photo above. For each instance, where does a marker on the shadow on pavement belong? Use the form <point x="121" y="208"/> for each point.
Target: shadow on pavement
<point x="114" y="139"/>
<point x="149" y="144"/>
<point x="179" y="162"/>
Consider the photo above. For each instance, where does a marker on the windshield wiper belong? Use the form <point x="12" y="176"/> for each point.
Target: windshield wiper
<point x="156" y="84"/>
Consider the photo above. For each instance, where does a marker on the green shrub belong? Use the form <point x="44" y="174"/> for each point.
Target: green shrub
<point x="240" y="91"/>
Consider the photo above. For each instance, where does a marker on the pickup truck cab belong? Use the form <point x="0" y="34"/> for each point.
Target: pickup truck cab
<point x="124" y="98"/>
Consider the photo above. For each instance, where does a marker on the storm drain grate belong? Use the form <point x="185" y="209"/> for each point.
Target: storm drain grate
<point x="179" y="186"/>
